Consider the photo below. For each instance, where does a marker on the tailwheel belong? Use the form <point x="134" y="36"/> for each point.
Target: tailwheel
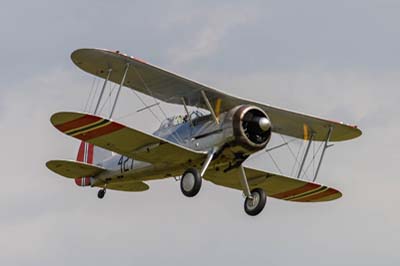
<point x="190" y="182"/>
<point x="255" y="204"/>
<point x="101" y="193"/>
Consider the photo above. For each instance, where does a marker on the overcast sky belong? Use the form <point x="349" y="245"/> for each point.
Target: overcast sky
<point x="336" y="59"/>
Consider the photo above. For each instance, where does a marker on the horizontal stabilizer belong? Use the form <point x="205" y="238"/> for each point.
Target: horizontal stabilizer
<point x="73" y="169"/>
<point x="129" y="186"/>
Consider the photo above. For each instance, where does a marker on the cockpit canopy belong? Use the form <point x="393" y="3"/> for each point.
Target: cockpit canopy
<point x="176" y="120"/>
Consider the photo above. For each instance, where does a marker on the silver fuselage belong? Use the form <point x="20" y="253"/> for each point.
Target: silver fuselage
<point x="201" y="134"/>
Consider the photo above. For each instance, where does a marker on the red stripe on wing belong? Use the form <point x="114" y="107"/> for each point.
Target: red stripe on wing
<point x="296" y="191"/>
<point x="98" y="132"/>
<point x="320" y="195"/>
<point x="77" y="123"/>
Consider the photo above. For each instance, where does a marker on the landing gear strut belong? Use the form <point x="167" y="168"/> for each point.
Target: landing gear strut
<point x="101" y="193"/>
<point x="191" y="178"/>
<point x="255" y="199"/>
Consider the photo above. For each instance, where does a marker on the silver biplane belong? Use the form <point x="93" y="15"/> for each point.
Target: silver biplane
<point x="212" y="142"/>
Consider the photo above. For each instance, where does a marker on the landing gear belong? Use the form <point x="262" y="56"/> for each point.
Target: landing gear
<point x="190" y="182"/>
<point x="101" y="193"/>
<point x="255" y="199"/>
<point x="255" y="203"/>
<point x="191" y="179"/>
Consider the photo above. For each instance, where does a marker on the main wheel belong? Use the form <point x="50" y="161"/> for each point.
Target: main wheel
<point x="190" y="182"/>
<point x="101" y="193"/>
<point x="255" y="205"/>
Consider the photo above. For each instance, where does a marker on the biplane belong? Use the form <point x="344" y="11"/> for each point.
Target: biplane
<point x="211" y="140"/>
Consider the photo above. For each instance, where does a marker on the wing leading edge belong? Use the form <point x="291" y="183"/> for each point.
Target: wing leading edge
<point x="123" y="140"/>
<point x="171" y="88"/>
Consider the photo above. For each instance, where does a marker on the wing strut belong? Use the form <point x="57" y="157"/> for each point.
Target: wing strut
<point x="102" y="90"/>
<point x="119" y="90"/>
<point x="187" y="111"/>
<point x="209" y="107"/>
<point x="305" y="155"/>
<point x="326" y="145"/>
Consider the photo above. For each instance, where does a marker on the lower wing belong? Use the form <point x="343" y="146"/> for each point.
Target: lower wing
<point x="275" y="186"/>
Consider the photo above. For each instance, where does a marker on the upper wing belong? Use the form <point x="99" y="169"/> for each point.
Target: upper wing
<point x="171" y="88"/>
<point x="123" y="140"/>
<point x="276" y="186"/>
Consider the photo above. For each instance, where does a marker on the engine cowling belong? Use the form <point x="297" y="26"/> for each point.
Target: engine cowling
<point x="252" y="127"/>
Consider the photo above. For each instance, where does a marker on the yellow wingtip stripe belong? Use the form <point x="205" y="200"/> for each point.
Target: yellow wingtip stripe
<point x="305" y="131"/>
<point x="83" y="127"/>
<point x="218" y="107"/>
<point x="307" y="193"/>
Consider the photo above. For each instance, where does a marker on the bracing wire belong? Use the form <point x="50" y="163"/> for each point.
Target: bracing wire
<point x="313" y="158"/>
<point x="296" y="163"/>
<point x="312" y="162"/>
<point x="273" y="160"/>
<point x="174" y="134"/>
<point x="145" y="105"/>
<point x="90" y="95"/>
<point x="94" y="94"/>
<point x="299" y="151"/>
<point x="111" y="89"/>
<point x="148" y="90"/>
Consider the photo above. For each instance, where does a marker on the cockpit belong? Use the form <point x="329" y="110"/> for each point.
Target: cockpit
<point x="176" y="120"/>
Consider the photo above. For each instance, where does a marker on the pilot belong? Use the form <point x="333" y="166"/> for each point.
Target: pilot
<point x="179" y="120"/>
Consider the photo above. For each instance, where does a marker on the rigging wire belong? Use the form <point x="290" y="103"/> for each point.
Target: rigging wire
<point x="273" y="160"/>
<point x="178" y="139"/>
<point x="313" y="158"/>
<point x="144" y="103"/>
<point x="90" y="95"/>
<point x="303" y="172"/>
<point x="300" y="151"/>
<point x="111" y="89"/>
<point x="175" y="134"/>
<point x="296" y="163"/>
<point x="309" y="164"/>
<point x="96" y="86"/>
<point x="149" y="91"/>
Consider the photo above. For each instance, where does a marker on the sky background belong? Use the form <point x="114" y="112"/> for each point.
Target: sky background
<point x="335" y="59"/>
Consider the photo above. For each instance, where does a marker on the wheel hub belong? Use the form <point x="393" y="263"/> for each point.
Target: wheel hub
<point x="254" y="201"/>
<point x="188" y="182"/>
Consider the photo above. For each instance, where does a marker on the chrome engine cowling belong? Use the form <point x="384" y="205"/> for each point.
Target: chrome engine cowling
<point x="252" y="128"/>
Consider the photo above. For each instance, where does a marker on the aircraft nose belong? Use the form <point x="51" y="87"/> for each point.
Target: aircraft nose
<point x="264" y="124"/>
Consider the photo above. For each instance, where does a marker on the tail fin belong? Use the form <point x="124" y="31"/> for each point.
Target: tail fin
<point x="88" y="153"/>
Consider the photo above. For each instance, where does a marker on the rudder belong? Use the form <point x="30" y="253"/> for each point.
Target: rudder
<point x="90" y="154"/>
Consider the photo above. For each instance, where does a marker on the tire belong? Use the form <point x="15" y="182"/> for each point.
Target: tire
<point x="190" y="182"/>
<point x="101" y="193"/>
<point x="259" y="198"/>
